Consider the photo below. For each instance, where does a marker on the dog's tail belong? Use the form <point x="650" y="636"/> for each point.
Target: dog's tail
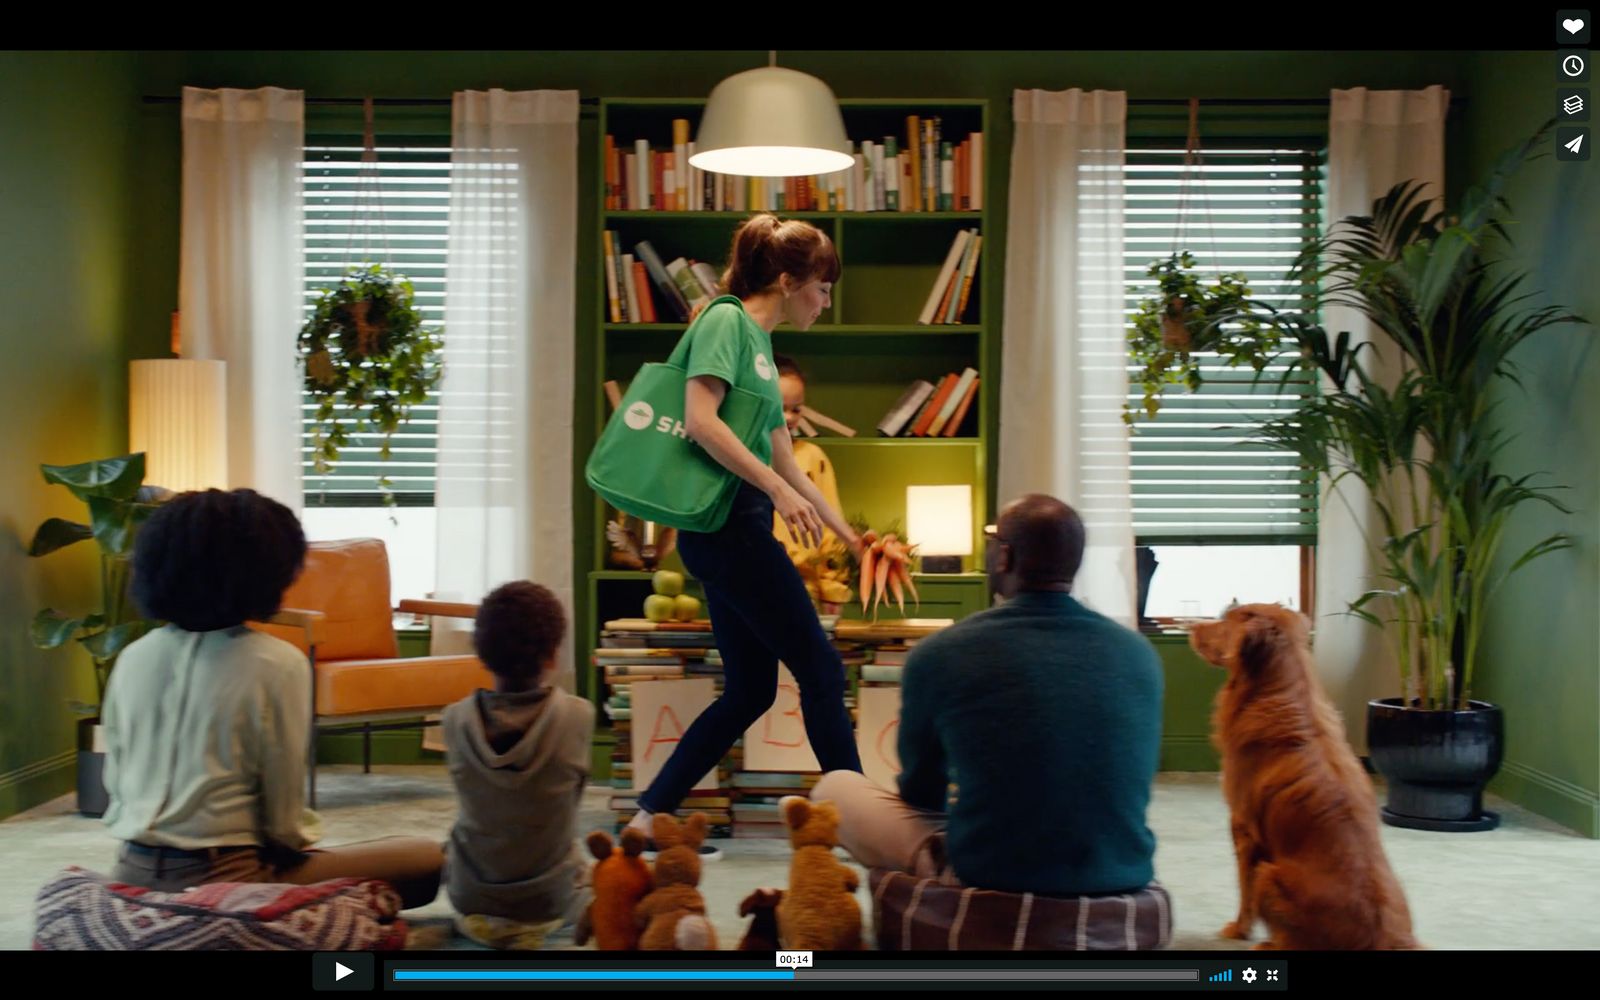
<point x="693" y="933"/>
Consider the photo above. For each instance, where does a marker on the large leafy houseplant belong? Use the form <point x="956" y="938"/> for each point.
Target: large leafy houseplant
<point x="1448" y="312"/>
<point x="1184" y="321"/>
<point x="369" y="359"/>
<point x="118" y="504"/>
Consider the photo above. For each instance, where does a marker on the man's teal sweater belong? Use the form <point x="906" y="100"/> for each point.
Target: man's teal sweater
<point x="1047" y="716"/>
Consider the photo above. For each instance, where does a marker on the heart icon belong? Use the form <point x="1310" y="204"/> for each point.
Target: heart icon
<point x="1573" y="25"/>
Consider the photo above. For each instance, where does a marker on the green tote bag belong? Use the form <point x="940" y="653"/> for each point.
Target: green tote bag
<point x="645" y="463"/>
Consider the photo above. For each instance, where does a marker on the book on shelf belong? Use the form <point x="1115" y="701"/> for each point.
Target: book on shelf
<point x="676" y="305"/>
<point x="612" y="302"/>
<point x="680" y="164"/>
<point x="625" y="275"/>
<point x="683" y="275"/>
<point x="822" y="420"/>
<point x="960" y="415"/>
<point x="708" y="278"/>
<point x="930" y="412"/>
<point x="949" y="309"/>
<point x="895" y="420"/>
<point x="940" y="284"/>
<point x="949" y="408"/>
<point x="641" y="286"/>
<point x="967" y="279"/>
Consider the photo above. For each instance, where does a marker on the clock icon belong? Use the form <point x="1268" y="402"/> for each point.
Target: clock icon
<point x="1574" y="66"/>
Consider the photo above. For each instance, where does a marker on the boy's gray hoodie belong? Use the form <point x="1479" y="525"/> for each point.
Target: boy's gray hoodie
<point x="519" y="762"/>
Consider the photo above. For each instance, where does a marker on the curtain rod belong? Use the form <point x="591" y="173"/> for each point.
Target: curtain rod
<point x="1143" y="102"/>
<point x="382" y="102"/>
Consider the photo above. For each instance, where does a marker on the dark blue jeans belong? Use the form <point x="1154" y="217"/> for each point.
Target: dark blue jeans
<point x="760" y="613"/>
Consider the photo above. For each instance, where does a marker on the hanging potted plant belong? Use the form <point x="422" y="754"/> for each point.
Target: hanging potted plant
<point x="118" y="503"/>
<point x="369" y="359"/>
<point x="1184" y="322"/>
<point x="1443" y="300"/>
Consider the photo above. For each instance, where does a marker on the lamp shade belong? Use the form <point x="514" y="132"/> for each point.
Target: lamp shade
<point x="939" y="519"/>
<point x="772" y="122"/>
<point x="177" y="416"/>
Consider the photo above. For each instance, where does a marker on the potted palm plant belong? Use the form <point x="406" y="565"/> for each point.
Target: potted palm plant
<point x="1448" y="312"/>
<point x="118" y="503"/>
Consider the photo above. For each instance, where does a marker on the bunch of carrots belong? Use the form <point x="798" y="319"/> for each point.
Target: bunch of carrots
<point x="885" y="569"/>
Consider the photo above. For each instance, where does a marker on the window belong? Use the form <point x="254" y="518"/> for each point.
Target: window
<point x="1225" y="517"/>
<point x="409" y="235"/>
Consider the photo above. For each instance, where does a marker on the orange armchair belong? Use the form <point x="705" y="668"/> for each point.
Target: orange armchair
<point x="337" y="612"/>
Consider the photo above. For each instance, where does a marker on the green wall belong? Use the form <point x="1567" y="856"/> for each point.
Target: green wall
<point x="66" y="130"/>
<point x="104" y="278"/>
<point x="1542" y="649"/>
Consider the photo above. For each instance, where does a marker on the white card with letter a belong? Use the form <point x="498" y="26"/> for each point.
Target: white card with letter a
<point x="662" y="711"/>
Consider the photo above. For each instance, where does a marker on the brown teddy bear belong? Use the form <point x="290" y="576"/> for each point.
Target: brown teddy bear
<point x="672" y="916"/>
<point x="819" y="912"/>
<point x="620" y="880"/>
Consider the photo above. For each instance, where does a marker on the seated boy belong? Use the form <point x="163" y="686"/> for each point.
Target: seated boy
<point x="519" y="757"/>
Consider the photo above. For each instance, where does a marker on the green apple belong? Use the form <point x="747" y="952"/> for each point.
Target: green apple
<point x="658" y="608"/>
<point x="667" y="583"/>
<point x="685" y="608"/>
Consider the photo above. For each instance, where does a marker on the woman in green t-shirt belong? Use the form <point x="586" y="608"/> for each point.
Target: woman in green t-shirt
<point x="779" y="271"/>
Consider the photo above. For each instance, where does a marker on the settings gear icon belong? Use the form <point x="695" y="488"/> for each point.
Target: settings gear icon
<point x="1249" y="975"/>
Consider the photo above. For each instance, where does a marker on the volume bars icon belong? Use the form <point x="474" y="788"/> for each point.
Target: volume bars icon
<point x="1225" y="976"/>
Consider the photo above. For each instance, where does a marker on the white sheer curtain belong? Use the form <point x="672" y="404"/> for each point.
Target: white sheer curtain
<point x="504" y="493"/>
<point x="1376" y="139"/>
<point x="239" y="294"/>
<point x="1064" y="346"/>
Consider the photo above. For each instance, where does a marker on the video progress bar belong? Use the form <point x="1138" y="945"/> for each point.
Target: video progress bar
<point x="796" y="975"/>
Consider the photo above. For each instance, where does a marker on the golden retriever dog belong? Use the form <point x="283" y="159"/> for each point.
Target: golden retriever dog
<point x="1304" y="813"/>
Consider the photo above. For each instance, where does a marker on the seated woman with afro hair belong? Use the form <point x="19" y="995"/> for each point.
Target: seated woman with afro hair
<point x="206" y="721"/>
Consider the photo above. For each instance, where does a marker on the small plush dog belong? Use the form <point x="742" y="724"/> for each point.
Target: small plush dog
<point x="1304" y="814"/>
<point x="762" y="934"/>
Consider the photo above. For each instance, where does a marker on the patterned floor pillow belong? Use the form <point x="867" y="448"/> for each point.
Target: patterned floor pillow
<point x="79" y="910"/>
<point x="941" y="914"/>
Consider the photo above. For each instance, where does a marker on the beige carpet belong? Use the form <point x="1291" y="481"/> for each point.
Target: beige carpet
<point x="1530" y="884"/>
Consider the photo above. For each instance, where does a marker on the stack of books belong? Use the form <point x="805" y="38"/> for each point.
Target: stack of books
<point x="637" y="651"/>
<point x="642" y="288"/>
<point x="928" y="410"/>
<point x="922" y="172"/>
<point x="952" y="289"/>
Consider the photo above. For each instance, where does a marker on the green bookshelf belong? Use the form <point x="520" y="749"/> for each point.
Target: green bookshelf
<point x="858" y="358"/>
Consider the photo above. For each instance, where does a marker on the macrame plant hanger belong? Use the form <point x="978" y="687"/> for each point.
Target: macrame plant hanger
<point x="367" y="220"/>
<point x="1174" y="326"/>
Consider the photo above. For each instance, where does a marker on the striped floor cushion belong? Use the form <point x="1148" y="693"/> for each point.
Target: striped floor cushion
<point x="81" y="911"/>
<point x="941" y="914"/>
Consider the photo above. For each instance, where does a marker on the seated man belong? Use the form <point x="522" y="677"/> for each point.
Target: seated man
<point x="1045" y="714"/>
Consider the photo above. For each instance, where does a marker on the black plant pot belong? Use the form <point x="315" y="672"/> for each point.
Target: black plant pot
<point x="1436" y="763"/>
<point x="93" y="800"/>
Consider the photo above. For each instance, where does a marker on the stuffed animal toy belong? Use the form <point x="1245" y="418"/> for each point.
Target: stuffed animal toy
<point x="672" y="917"/>
<point x="620" y="880"/>
<point x="762" y="934"/>
<point x="819" y="912"/>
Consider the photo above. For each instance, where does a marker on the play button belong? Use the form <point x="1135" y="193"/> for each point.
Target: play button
<point x="349" y="970"/>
